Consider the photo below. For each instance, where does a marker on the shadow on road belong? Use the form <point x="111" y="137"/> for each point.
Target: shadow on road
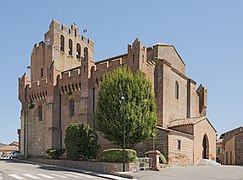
<point x="40" y="166"/>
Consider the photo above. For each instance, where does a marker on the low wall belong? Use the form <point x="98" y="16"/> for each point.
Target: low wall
<point x="104" y="167"/>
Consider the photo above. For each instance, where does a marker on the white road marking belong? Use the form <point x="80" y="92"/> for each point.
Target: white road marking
<point x="71" y="175"/>
<point x="84" y="175"/>
<point x="57" y="175"/>
<point x="15" y="176"/>
<point x="45" y="176"/>
<point x="31" y="176"/>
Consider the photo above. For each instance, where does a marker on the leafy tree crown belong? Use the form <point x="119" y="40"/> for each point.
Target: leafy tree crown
<point x="137" y="110"/>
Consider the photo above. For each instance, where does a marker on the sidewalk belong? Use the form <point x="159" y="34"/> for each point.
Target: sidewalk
<point x="203" y="172"/>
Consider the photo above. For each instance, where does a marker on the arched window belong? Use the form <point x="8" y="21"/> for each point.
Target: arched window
<point x="71" y="107"/>
<point x="70" y="47"/>
<point x="86" y="53"/>
<point x="78" y="53"/>
<point x="62" y="43"/>
<point x="176" y="90"/>
<point x="42" y="72"/>
<point x="40" y="113"/>
<point x="75" y="32"/>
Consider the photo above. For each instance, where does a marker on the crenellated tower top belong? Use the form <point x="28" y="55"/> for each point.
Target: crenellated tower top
<point x="62" y="49"/>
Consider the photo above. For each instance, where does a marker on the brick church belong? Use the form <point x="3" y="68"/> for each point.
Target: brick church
<point x="63" y="85"/>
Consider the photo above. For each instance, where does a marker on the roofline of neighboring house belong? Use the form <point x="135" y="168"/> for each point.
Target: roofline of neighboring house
<point x="224" y="141"/>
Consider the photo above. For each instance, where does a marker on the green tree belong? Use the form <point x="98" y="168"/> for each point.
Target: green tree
<point x="137" y="111"/>
<point x="81" y="142"/>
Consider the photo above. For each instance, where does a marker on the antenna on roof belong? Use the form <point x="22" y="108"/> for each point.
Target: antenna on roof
<point x="85" y="30"/>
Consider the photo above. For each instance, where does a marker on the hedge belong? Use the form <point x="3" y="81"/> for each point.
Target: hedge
<point x="116" y="155"/>
<point x="55" y="153"/>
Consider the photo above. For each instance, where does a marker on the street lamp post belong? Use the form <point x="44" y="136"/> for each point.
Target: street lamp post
<point x="124" y="138"/>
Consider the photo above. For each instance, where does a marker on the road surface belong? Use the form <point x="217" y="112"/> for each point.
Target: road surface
<point x="13" y="169"/>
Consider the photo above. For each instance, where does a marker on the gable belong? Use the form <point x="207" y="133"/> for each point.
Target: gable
<point x="169" y="53"/>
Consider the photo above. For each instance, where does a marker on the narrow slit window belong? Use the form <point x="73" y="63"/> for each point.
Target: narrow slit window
<point x="86" y="53"/>
<point x="176" y="90"/>
<point x="40" y="113"/>
<point x="71" y="107"/>
<point x="178" y="144"/>
<point x="42" y="72"/>
<point x="78" y="53"/>
<point x="62" y="43"/>
<point x="70" y="49"/>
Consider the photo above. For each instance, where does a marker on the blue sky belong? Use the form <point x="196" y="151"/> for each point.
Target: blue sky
<point x="207" y="34"/>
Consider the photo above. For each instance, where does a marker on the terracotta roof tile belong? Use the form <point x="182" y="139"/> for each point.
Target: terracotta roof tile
<point x="186" y="121"/>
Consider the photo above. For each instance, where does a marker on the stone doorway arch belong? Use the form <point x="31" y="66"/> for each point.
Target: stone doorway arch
<point x="205" y="147"/>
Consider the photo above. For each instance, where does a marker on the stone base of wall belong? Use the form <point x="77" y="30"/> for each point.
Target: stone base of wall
<point x="104" y="167"/>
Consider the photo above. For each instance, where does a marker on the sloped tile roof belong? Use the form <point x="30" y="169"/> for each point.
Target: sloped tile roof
<point x="186" y="121"/>
<point x="189" y="121"/>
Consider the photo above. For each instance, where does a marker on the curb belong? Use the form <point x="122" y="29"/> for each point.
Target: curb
<point x="124" y="175"/>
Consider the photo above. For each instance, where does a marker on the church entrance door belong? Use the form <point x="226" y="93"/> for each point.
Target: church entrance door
<point x="205" y="153"/>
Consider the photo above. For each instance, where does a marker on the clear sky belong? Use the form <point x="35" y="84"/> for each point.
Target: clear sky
<point x="207" y="34"/>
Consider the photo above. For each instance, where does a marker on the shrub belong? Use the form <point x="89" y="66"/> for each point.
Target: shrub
<point x="81" y="142"/>
<point x="55" y="153"/>
<point x="116" y="155"/>
<point x="162" y="159"/>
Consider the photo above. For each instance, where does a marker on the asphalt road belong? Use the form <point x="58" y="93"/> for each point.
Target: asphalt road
<point x="12" y="169"/>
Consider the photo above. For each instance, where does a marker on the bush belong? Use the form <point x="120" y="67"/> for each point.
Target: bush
<point x="116" y="155"/>
<point x="81" y="142"/>
<point x="162" y="159"/>
<point x="55" y="153"/>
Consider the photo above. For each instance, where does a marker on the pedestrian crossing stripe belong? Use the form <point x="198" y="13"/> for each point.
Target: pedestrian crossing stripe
<point x="15" y="176"/>
<point x="45" y="176"/>
<point x="50" y="176"/>
<point x="59" y="176"/>
<point x="31" y="176"/>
